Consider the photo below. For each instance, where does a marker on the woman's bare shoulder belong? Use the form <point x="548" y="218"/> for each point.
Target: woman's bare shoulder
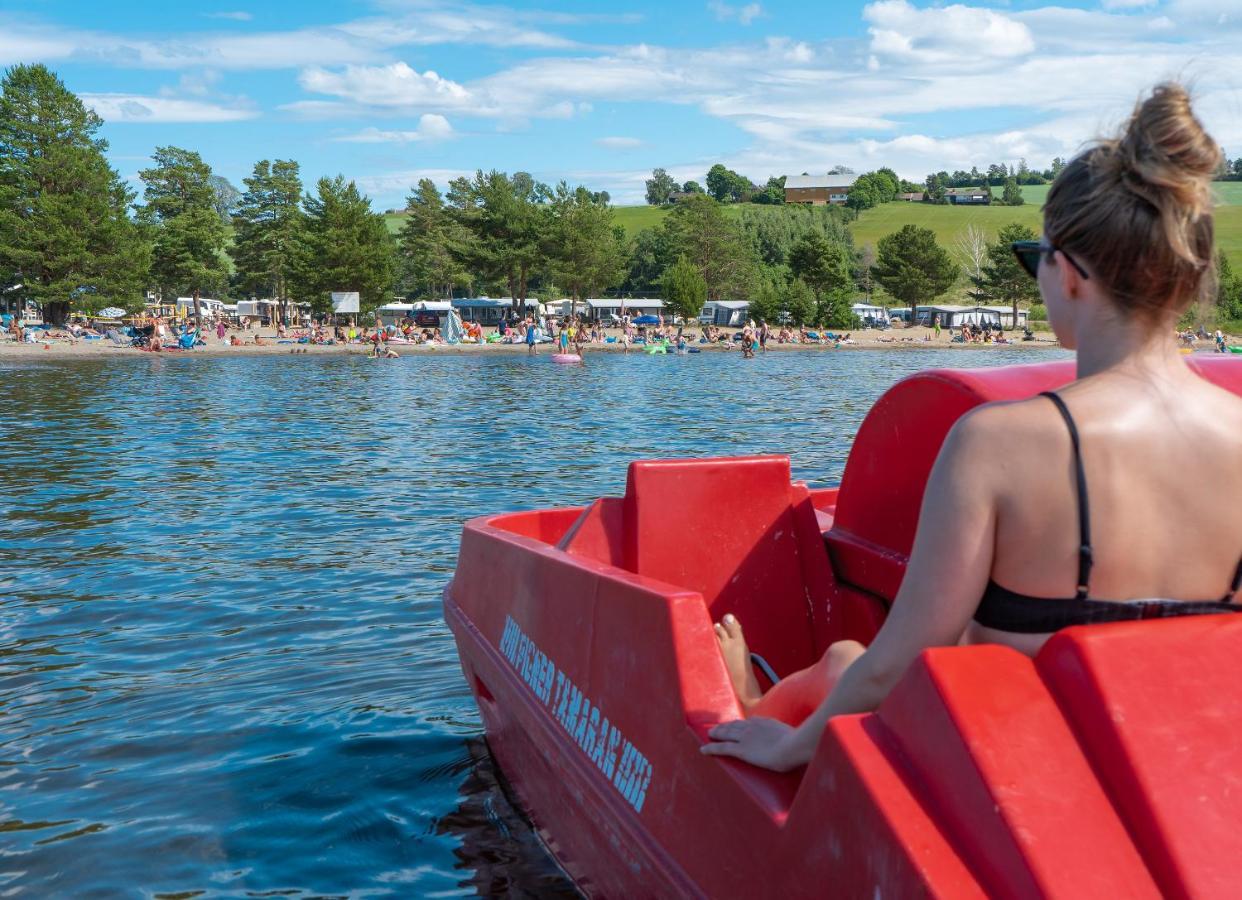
<point x="996" y="439"/>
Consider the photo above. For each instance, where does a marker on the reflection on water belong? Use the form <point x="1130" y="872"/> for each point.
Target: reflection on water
<point x="223" y="668"/>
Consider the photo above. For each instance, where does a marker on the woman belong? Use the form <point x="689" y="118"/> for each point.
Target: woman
<point x="1060" y="509"/>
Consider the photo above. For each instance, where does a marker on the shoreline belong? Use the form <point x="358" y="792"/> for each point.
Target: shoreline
<point x="899" y="340"/>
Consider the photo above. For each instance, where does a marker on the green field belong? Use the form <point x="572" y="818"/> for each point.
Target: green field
<point x="948" y="222"/>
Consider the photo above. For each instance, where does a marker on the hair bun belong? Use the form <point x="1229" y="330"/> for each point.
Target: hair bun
<point x="1166" y="148"/>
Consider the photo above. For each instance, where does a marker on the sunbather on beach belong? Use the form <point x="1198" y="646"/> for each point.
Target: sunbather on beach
<point x="1104" y="515"/>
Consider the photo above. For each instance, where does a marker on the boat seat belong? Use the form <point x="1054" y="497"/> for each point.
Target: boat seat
<point x="886" y="473"/>
<point x="735" y="530"/>
<point x="882" y="488"/>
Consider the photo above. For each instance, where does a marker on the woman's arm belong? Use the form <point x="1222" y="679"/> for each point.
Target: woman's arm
<point x="948" y="571"/>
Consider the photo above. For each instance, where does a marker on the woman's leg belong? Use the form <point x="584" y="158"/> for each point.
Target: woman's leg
<point x="794" y="697"/>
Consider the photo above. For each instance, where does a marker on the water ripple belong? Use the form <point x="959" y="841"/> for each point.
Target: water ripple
<point x="223" y="668"/>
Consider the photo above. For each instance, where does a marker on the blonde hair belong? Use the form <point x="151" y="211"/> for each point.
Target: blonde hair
<point x="1137" y="209"/>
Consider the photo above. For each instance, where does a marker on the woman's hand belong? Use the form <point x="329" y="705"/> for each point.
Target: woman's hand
<point x="767" y="743"/>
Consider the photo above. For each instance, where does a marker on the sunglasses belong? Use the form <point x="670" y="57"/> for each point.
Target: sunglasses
<point x="1030" y="252"/>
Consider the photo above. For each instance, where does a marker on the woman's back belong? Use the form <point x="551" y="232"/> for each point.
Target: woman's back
<point x="1162" y="460"/>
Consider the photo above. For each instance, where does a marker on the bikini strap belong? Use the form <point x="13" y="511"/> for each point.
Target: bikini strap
<point x="1085" y="560"/>
<point x="1237" y="583"/>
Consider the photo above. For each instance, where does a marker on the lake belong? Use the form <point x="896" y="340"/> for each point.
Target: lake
<point x="223" y="667"/>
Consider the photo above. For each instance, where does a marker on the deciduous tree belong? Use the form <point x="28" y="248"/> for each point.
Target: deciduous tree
<point x="727" y="186"/>
<point x="1012" y="194"/>
<point x="1001" y="278"/>
<point x="659" y="186"/>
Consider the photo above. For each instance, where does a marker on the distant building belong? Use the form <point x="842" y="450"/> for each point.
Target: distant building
<point x="730" y="313"/>
<point x="968" y="196"/>
<point x="957" y="316"/>
<point x="818" y="190"/>
<point x="911" y="196"/>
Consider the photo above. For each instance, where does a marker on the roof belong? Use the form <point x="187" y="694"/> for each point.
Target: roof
<point x="628" y="303"/>
<point x="396" y="307"/>
<point x="819" y="181"/>
<point x="728" y="304"/>
<point x="972" y="191"/>
<point x="867" y="306"/>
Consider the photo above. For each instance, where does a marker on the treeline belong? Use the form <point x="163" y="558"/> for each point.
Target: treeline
<point x="727" y="186"/>
<point x="73" y="236"/>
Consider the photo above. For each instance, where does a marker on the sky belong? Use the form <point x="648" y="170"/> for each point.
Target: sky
<point x="599" y="92"/>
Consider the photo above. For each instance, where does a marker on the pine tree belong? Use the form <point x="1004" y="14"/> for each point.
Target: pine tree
<point x="430" y="243"/>
<point x="507" y="219"/>
<point x="822" y="264"/>
<point x="267" y="226"/>
<point x="585" y="246"/>
<point x="1002" y="279"/>
<point x="189" y="234"/>
<point x="912" y="267"/>
<point x="800" y="302"/>
<point x="684" y="289"/>
<point x="346" y="247"/>
<point x="697" y="228"/>
<point x="65" y="232"/>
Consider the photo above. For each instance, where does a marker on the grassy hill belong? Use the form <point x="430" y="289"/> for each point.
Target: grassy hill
<point x="950" y="221"/>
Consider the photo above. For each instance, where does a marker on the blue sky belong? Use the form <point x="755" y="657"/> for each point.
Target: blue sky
<point x="388" y="91"/>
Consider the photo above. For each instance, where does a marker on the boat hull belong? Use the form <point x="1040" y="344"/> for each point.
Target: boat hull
<point x="586" y="637"/>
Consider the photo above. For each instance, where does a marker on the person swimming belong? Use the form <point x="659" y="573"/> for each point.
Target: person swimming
<point x="1127" y="247"/>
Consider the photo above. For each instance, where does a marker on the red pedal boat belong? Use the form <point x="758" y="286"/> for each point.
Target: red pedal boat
<point x="1109" y="765"/>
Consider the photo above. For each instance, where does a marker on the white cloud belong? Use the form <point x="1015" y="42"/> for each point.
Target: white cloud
<point x="619" y="143"/>
<point x="404" y="180"/>
<point x="744" y="14"/>
<point x="363" y="40"/>
<point x="396" y="85"/>
<point x="431" y="127"/>
<point x="233" y="16"/>
<point x="948" y="34"/>
<point x="139" y="108"/>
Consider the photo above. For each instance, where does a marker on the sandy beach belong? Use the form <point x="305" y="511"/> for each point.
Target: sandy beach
<point x="893" y="339"/>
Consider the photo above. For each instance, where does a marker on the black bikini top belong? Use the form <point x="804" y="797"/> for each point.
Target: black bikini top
<point x="1006" y="610"/>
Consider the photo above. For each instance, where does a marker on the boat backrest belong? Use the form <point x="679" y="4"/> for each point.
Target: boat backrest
<point x="735" y="530"/>
<point x="725" y="528"/>
<point x="882" y="488"/>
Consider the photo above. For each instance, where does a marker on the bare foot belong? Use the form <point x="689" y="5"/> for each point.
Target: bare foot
<point x="737" y="661"/>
